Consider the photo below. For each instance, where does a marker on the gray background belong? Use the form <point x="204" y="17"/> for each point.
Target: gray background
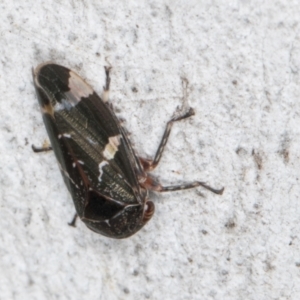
<point x="242" y="60"/>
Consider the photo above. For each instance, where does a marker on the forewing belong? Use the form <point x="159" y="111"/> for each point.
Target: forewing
<point x="92" y="146"/>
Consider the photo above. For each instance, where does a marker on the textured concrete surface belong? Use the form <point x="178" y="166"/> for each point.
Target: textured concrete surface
<point x="242" y="60"/>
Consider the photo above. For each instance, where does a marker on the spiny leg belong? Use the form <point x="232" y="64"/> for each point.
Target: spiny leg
<point x="151" y="183"/>
<point x="149" y="165"/>
<point x="191" y="185"/>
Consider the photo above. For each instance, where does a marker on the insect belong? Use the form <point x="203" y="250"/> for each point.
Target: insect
<point x="108" y="182"/>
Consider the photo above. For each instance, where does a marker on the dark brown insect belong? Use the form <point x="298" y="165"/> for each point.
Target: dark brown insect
<point x="108" y="182"/>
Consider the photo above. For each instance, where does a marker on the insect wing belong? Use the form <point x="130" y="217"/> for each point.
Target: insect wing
<point x="96" y="160"/>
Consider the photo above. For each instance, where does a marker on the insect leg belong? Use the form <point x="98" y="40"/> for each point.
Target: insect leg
<point x="105" y="94"/>
<point x="41" y="149"/>
<point x="149" y="165"/>
<point x="73" y="222"/>
<point x="191" y="185"/>
<point x="151" y="183"/>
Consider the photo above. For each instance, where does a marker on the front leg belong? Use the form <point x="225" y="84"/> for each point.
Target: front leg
<point x="149" y="165"/>
<point x="105" y="94"/>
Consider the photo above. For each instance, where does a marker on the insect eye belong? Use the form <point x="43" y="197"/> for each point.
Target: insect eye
<point x="149" y="209"/>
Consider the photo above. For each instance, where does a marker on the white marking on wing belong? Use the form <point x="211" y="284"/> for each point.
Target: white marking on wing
<point x="78" y="89"/>
<point x="111" y="147"/>
<point x="101" y="166"/>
